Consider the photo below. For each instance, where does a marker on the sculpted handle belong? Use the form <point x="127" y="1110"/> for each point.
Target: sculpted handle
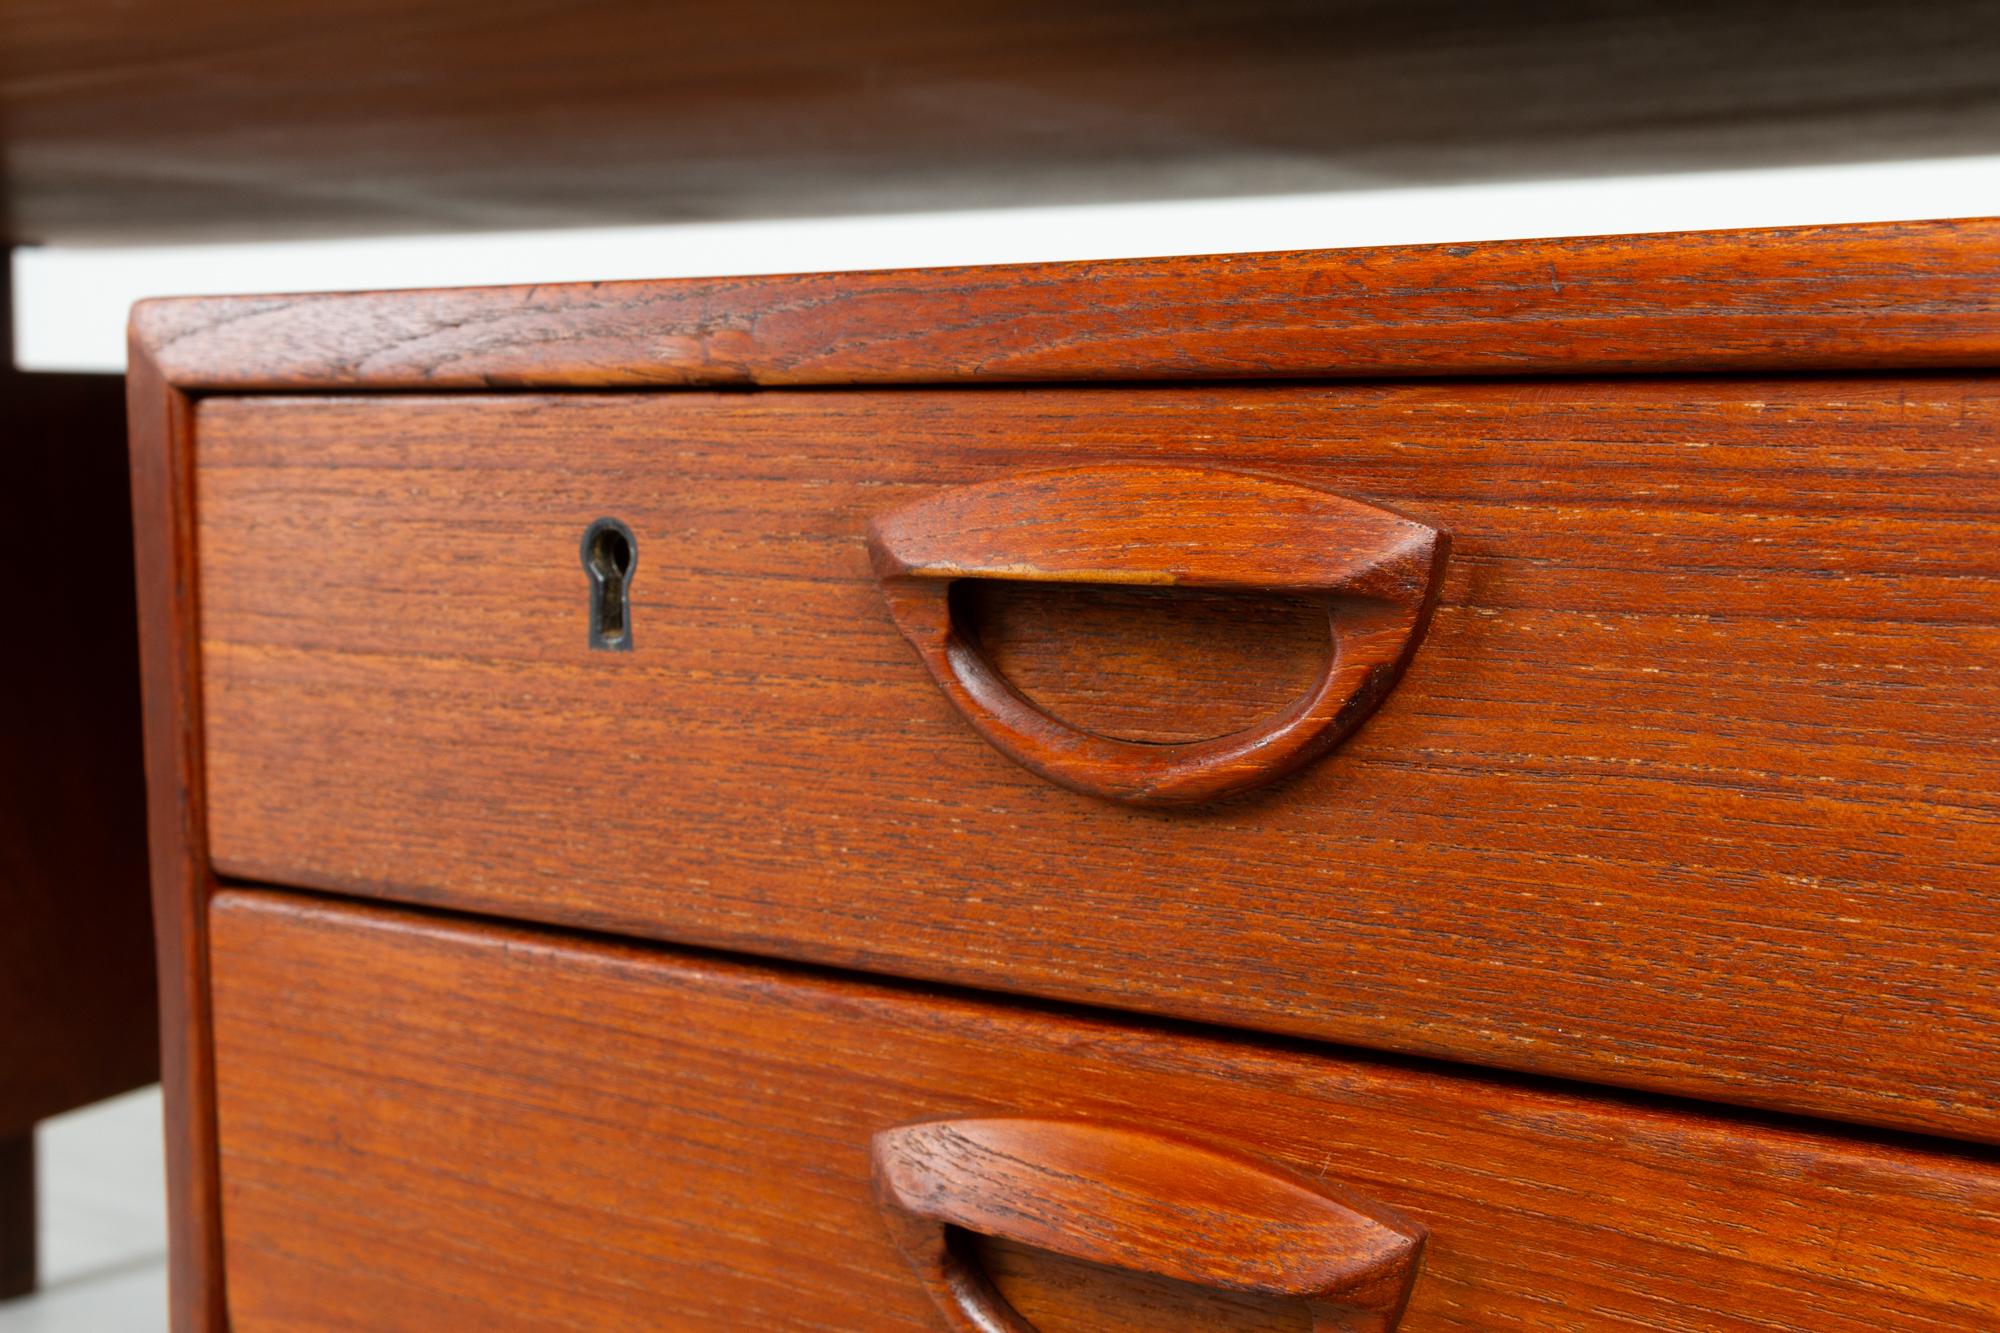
<point x="1140" y="1201"/>
<point x="1377" y="572"/>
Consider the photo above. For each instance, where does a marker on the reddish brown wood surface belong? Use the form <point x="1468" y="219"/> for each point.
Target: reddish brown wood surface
<point x="1374" y="573"/>
<point x="1691" y="786"/>
<point x="1053" y="1292"/>
<point x="160" y="421"/>
<point x="1906" y="295"/>
<point x="77" y="1016"/>
<point x="430" y="1124"/>
<point x="1132" y="1199"/>
<point x="1695" y="797"/>
<point x="1245" y="656"/>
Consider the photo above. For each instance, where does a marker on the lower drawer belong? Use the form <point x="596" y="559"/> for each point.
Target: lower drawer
<point x="428" y="1123"/>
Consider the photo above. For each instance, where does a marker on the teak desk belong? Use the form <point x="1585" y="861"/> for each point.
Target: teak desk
<point x="1443" y="788"/>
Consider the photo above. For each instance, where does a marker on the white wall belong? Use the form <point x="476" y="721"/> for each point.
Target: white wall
<point x="70" y="303"/>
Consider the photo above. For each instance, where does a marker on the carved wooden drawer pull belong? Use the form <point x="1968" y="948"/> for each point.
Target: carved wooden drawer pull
<point x="1138" y="1201"/>
<point x="1378" y="573"/>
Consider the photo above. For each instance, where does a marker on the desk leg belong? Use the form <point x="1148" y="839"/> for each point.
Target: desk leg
<point x="17" y="1214"/>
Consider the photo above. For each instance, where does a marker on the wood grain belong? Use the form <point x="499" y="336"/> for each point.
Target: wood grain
<point x="217" y="119"/>
<point x="1133" y="1199"/>
<point x="1085" y="654"/>
<point x="1690" y="790"/>
<point x="1374" y="573"/>
<point x="431" y="1124"/>
<point x="1892" y="296"/>
<point x="1051" y="1291"/>
<point x="160" y="419"/>
<point x="1691" y="787"/>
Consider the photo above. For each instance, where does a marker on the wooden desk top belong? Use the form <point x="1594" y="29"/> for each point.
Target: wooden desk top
<point x="221" y="119"/>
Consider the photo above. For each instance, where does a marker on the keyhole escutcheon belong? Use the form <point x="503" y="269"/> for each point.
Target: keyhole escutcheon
<point x="609" y="556"/>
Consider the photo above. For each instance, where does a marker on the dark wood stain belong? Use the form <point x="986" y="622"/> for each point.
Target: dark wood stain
<point x="209" y="119"/>
<point x="20" y="1242"/>
<point x="78" y="1020"/>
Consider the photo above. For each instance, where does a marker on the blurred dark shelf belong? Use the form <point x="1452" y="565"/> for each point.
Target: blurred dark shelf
<point x="132" y="121"/>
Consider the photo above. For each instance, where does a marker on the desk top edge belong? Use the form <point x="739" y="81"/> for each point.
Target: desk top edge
<point x="1878" y="296"/>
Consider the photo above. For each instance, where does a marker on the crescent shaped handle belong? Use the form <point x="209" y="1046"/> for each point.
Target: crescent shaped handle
<point x="1377" y="572"/>
<point x="1139" y="1201"/>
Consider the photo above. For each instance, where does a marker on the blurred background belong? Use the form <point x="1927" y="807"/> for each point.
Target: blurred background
<point x="151" y="148"/>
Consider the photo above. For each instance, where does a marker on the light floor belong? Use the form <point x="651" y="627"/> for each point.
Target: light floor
<point x="104" y="1223"/>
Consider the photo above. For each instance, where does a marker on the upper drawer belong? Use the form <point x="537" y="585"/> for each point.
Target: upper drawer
<point x="1691" y="785"/>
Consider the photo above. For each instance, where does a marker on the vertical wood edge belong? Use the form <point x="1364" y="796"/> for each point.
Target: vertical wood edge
<point x="161" y="442"/>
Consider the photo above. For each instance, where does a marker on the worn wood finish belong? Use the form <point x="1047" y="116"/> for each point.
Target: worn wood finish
<point x="1694" y="769"/>
<point x="433" y="1124"/>
<point x="1129" y="1198"/>
<point x="207" y="119"/>
<point x="1375" y="575"/>
<point x="1896" y="296"/>
<point x="161" y="422"/>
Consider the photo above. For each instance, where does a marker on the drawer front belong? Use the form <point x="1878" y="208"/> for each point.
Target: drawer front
<point x="1690" y="787"/>
<point x="434" y="1124"/>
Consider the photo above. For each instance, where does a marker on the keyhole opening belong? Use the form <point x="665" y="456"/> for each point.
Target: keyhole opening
<point x="609" y="556"/>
